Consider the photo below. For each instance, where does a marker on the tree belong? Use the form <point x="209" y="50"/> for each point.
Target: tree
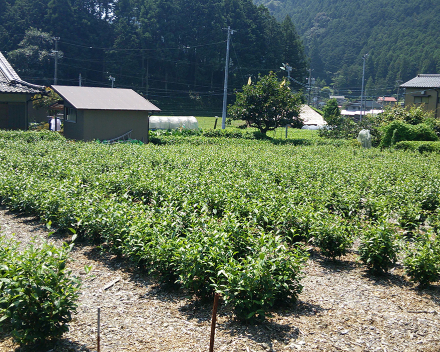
<point x="293" y="50"/>
<point x="34" y="57"/>
<point x="267" y="105"/>
<point x="332" y="114"/>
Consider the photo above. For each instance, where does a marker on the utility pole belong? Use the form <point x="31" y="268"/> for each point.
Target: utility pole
<point x="398" y="89"/>
<point x="310" y="85"/>
<point x="225" y="88"/>
<point x="362" y="92"/>
<point x="55" y="77"/>
<point x="113" y="79"/>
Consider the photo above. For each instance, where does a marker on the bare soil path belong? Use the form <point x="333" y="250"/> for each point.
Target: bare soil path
<point x="342" y="308"/>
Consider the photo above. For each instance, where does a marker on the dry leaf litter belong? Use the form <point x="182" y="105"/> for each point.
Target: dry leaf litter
<point x="341" y="308"/>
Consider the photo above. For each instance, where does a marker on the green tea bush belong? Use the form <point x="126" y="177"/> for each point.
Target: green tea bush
<point x="419" y="146"/>
<point x="38" y="294"/>
<point x="378" y="248"/>
<point x="32" y="136"/>
<point x="422" y="264"/>
<point x="200" y="259"/>
<point x="333" y="235"/>
<point x="255" y="283"/>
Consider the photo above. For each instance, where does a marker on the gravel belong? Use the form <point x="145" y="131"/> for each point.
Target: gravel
<point x="341" y="308"/>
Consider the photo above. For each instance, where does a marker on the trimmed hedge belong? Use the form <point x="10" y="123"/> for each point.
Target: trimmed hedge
<point x="419" y="146"/>
<point x="398" y="131"/>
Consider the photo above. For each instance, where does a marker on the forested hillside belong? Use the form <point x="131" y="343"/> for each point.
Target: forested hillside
<point x="172" y="51"/>
<point x="400" y="36"/>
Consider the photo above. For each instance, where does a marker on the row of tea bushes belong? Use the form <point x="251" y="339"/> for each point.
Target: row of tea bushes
<point x="195" y="214"/>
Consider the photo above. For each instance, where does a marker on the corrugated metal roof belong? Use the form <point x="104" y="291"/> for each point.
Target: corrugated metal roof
<point x="10" y="82"/>
<point x="423" y="81"/>
<point x="93" y="98"/>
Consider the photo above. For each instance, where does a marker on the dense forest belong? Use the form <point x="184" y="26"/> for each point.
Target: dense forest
<point x="171" y="51"/>
<point x="400" y="37"/>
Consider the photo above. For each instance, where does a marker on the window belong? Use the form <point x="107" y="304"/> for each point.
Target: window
<point x="421" y="100"/>
<point x="70" y="114"/>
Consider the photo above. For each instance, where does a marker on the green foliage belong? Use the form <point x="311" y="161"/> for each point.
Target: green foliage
<point x="31" y="136"/>
<point x="378" y="248"/>
<point x="398" y="131"/>
<point x="266" y="105"/>
<point x="172" y="51"/>
<point x="336" y="46"/>
<point x="419" y="146"/>
<point x="185" y="212"/>
<point x="258" y="281"/>
<point x="332" y="114"/>
<point x="38" y="294"/>
<point x="45" y="101"/>
<point x="33" y="58"/>
<point x="412" y="115"/>
<point x="422" y="264"/>
<point x="333" y="235"/>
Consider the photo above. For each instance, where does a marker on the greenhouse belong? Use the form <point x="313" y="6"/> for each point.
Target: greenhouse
<point x="173" y="122"/>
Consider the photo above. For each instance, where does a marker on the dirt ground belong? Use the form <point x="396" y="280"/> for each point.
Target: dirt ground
<point x="341" y="308"/>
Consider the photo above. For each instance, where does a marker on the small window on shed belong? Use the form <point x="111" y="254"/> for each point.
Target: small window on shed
<point x="421" y="100"/>
<point x="70" y="114"/>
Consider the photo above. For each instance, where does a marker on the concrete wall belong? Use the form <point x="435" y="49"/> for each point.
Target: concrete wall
<point x="105" y="125"/>
<point x="433" y="96"/>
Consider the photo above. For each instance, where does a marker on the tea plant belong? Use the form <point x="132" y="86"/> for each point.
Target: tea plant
<point x="255" y="283"/>
<point x="38" y="294"/>
<point x="422" y="264"/>
<point x="378" y="248"/>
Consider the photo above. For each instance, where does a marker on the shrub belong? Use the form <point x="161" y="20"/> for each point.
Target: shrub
<point x="252" y="285"/>
<point x="378" y="249"/>
<point x="422" y="264"/>
<point x="200" y="260"/>
<point x="38" y="294"/>
<point x="420" y="146"/>
<point x="332" y="235"/>
<point x="398" y="131"/>
<point x="31" y="136"/>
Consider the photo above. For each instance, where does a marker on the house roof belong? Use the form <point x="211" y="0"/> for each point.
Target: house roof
<point x="10" y="82"/>
<point x="94" y="98"/>
<point x="423" y="81"/>
<point x="387" y="99"/>
<point x="311" y="117"/>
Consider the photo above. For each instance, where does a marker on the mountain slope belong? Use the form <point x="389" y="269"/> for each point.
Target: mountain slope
<point x="400" y="36"/>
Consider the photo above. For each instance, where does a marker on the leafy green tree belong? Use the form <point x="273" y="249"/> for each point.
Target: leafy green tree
<point x="34" y="56"/>
<point x="332" y="114"/>
<point x="268" y="104"/>
<point x="293" y="50"/>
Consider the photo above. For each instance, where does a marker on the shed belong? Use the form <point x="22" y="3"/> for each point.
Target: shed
<point x="104" y="113"/>
<point x="15" y="98"/>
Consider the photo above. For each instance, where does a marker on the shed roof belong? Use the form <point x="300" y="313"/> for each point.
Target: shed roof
<point x="94" y="98"/>
<point x="10" y="82"/>
<point x="423" y="81"/>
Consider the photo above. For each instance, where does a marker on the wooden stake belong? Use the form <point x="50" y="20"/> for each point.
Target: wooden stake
<point x="214" y="320"/>
<point x="99" y="331"/>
